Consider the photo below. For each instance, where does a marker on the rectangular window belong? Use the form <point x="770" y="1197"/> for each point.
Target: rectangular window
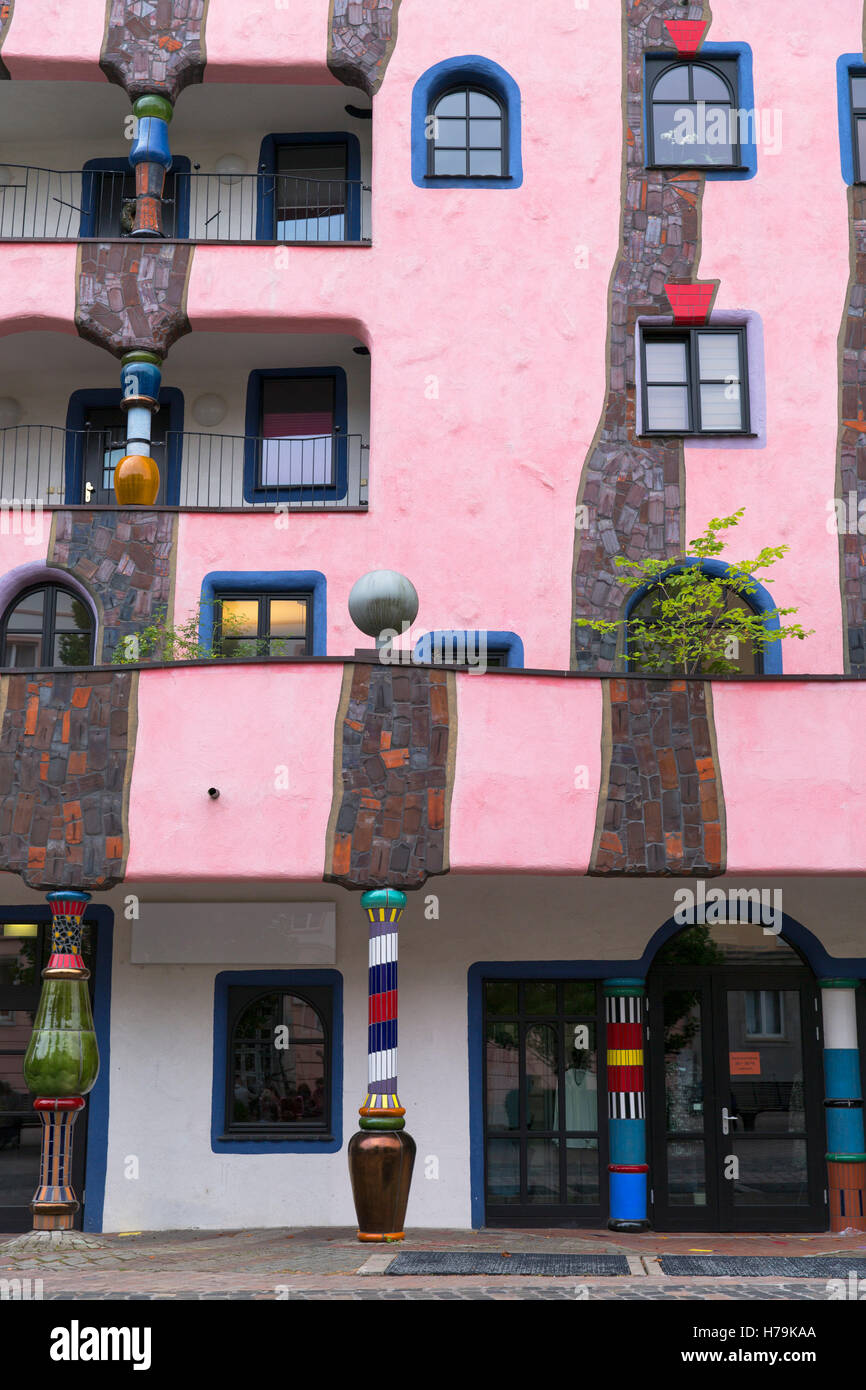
<point x="264" y="624"/>
<point x="297" y="429"/>
<point x="764" y="1013"/>
<point x="693" y="113"/>
<point x="858" y="125"/>
<point x="694" y="381"/>
<point x="279" y="1063"/>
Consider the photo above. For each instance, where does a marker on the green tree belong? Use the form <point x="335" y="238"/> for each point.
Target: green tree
<point x="687" y="624"/>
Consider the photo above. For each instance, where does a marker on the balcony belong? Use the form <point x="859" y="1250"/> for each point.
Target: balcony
<point x="56" y="467"/>
<point x="70" y="205"/>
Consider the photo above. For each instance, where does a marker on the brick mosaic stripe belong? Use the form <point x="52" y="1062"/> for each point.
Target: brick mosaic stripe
<point x="851" y="468"/>
<point x="395" y="746"/>
<point x="125" y="559"/>
<point x="661" y="806"/>
<point x="6" y="11"/>
<point x="132" y="295"/>
<point x="154" y="45"/>
<point x="66" y="748"/>
<point x="361" y="39"/>
<point x="634" y="489"/>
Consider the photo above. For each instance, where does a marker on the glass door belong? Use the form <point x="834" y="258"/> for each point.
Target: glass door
<point x="544" y="1103"/>
<point x="103" y="445"/>
<point x="735" y="1105"/>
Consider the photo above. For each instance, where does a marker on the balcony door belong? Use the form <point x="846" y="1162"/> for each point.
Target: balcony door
<point x="735" y="1089"/>
<point x="101" y="447"/>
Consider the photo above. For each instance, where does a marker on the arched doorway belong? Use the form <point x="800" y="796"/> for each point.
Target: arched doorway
<point x="734" y="1082"/>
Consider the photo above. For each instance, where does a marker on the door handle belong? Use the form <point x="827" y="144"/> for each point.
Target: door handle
<point x="726" y="1119"/>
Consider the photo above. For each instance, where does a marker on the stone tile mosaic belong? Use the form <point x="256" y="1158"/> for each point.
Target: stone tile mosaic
<point x="361" y="39"/>
<point x="132" y="295"/>
<point x="154" y="45"/>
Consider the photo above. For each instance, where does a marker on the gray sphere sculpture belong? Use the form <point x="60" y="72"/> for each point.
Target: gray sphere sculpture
<point x="382" y="600"/>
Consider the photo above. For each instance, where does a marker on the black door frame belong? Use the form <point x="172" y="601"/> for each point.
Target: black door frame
<point x="719" y="1214"/>
<point x="533" y="1214"/>
<point x="25" y="998"/>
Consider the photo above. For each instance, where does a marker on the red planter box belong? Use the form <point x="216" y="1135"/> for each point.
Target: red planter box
<point x="691" y="303"/>
<point x="687" y="34"/>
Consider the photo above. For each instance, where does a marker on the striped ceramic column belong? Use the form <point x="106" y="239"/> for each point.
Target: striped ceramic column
<point x="625" y="1086"/>
<point x="381" y="1108"/>
<point x="382" y="1154"/>
<point x="62" y="1062"/>
<point x="846" y="1159"/>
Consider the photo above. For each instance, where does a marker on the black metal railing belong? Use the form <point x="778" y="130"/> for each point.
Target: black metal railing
<point x="49" y="466"/>
<point x="56" y="205"/>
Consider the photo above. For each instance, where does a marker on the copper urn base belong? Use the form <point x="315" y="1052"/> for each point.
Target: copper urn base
<point x="380" y="1167"/>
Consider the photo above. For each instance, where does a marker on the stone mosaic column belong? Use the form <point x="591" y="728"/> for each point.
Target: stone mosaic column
<point x="627" y="1164"/>
<point x="846" y="1159"/>
<point x="382" y="1155"/>
<point x="62" y="1061"/>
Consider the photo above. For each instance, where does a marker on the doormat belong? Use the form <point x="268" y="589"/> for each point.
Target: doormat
<point x="553" y="1266"/>
<point x="756" y="1266"/>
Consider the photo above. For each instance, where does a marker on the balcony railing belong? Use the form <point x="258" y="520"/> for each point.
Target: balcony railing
<point x="54" y="467"/>
<point x="55" y="205"/>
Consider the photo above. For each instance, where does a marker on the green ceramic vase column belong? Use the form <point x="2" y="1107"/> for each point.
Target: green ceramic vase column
<point x="62" y="1060"/>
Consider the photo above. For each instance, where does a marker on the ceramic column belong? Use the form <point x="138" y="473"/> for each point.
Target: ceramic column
<point x="846" y="1159"/>
<point x="382" y="1154"/>
<point x="627" y="1165"/>
<point x="62" y="1061"/>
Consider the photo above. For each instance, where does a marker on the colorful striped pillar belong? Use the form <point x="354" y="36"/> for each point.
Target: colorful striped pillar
<point x="62" y="1060"/>
<point x="382" y="1154"/>
<point x="625" y="1094"/>
<point x="846" y="1159"/>
<point x="382" y="1108"/>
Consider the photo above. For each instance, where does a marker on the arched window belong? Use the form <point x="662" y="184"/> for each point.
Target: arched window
<point x="693" y="114"/>
<point x="467" y="134"/>
<point x="47" y="625"/>
<point x="278" y="1066"/>
<point x="648" y="608"/>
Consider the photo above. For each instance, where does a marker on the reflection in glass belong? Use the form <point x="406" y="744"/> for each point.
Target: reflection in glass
<point x="684" y="1088"/>
<point x="539" y="997"/>
<point x="772" y="1172"/>
<point x="581" y="1173"/>
<point x="542" y="1069"/>
<point x="279" y="1085"/>
<point x="687" y="1184"/>
<point x="503" y="1170"/>
<point x="503" y="1076"/>
<point x="542" y="1171"/>
<point x="501" y="997"/>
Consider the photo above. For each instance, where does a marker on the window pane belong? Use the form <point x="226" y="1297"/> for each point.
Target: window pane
<point x="23" y="651"/>
<point x="278" y="1063"/>
<point x="719" y="356"/>
<point x="708" y="86"/>
<point x="674" y="85"/>
<point x="686" y="135"/>
<point x="240" y="617"/>
<point x="72" y="649"/>
<point x="71" y="615"/>
<point x="721" y="408"/>
<point x="480" y="104"/>
<point x="858" y="91"/>
<point x="861" y="147"/>
<point x="581" y="1178"/>
<point x="26" y="616"/>
<point x="449" y="162"/>
<point x="502" y="1060"/>
<point x="542" y="1064"/>
<point x="312" y="161"/>
<point x="288" y="617"/>
<point x="503" y="1170"/>
<point x="579" y="997"/>
<point x="485" y="135"/>
<point x="485" y="163"/>
<point x="450" y="134"/>
<point x="297" y="462"/>
<point x="297" y="407"/>
<point x="542" y="1171"/>
<point x="501" y="997"/>
<point x="454" y="104"/>
<point x="666" y="361"/>
<point x="667" y="408"/>
<point x="540" y="999"/>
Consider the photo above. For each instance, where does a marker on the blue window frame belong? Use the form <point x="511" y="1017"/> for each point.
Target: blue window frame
<point x="309" y="467"/>
<point x="269" y="1114"/>
<point x="292" y="206"/>
<point x="82" y="402"/>
<point x="731" y="63"/>
<point x="485" y="141"/>
<point x="285" y="582"/>
<point x="107" y="183"/>
<point x="501" y="649"/>
<point x="851" y="99"/>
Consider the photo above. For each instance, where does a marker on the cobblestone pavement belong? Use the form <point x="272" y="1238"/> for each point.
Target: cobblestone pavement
<point x="324" y="1263"/>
